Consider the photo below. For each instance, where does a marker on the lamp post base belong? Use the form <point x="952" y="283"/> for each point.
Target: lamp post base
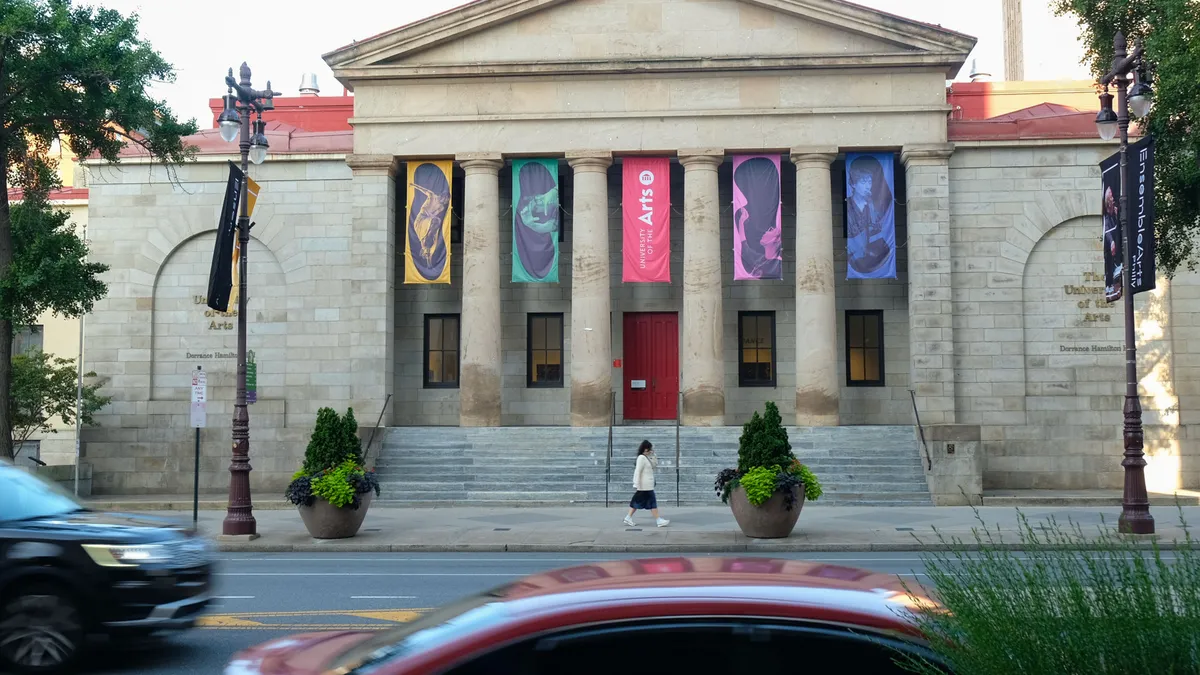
<point x="1135" y="502"/>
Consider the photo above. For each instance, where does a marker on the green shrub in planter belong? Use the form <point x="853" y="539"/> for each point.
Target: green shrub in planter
<point x="333" y="464"/>
<point x="766" y="464"/>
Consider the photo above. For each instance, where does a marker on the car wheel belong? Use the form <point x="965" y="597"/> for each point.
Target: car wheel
<point x="41" y="631"/>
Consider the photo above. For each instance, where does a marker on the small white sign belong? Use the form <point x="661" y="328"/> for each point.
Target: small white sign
<point x="637" y="384"/>
<point x="199" y="399"/>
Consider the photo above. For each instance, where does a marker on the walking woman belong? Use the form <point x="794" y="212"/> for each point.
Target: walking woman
<point x="643" y="483"/>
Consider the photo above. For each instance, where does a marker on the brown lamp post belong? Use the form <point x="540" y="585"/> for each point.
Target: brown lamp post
<point x="241" y="102"/>
<point x="1135" y="503"/>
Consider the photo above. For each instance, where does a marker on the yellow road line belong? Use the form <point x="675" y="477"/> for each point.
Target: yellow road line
<point x="262" y="620"/>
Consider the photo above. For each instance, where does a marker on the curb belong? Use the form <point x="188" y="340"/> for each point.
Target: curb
<point x="656" y="548"/>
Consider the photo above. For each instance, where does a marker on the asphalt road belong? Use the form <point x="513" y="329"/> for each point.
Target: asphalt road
<point x="264" y="596"/>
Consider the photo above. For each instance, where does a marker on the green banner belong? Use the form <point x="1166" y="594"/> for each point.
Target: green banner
<point x="536" y="221"/>
<point x="251" y="378"/>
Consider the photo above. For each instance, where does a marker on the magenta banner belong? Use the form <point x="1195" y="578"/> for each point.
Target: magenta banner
<point x="757" y="218"/>
<point x="646" y="219"/>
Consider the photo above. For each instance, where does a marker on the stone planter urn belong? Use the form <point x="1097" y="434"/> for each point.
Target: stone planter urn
<point x="772" y="520"/>
<point x="325" y="521"/>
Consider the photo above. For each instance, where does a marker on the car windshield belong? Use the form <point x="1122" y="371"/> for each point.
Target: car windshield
<point x="24" y="496"/>
<point x="431" y="630"/>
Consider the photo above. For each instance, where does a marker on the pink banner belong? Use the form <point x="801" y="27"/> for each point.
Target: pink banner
<point x="757" y="218"/>
<point x="646" y="207"/>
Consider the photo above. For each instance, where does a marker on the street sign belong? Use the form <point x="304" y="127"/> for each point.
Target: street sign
<point x="251" y="378"/>
<point x="199" y="398"/>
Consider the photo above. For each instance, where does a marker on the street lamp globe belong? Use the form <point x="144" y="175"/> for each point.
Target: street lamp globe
<point x="1106" y="119"/>
<point x="1140" y="99"/>
<point x="258" y="143"/>
<point x="230" y="122"/>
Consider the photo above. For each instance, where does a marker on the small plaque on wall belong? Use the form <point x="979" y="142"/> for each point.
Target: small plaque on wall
<point x="637" y="384"/>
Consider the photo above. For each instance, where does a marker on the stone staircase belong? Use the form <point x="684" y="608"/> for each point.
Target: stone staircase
<point x="552" y="466"/>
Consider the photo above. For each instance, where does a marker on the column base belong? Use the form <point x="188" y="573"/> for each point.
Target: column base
<point x="703" y="407"/>
<point x="701" y="421"/>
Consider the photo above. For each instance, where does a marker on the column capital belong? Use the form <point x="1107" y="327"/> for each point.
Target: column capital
<point x="589" y="160"/>
<point x="480" y="162"/>
<point x="814" y="154"/>
<point x="702" y="158"/>
<point x="924" y="154"/>
<point x="373" y="165"/>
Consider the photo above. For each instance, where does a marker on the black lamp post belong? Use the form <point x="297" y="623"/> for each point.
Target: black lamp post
<point x="241" y="102"/>
<point x="1135" y="503"/>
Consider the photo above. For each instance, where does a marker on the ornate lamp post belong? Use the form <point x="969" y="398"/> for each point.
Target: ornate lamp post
<point x="241" y="102"/>
<point x="1135" y="503"/>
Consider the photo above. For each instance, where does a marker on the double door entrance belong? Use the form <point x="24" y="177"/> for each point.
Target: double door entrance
<point x="650" y="367"/>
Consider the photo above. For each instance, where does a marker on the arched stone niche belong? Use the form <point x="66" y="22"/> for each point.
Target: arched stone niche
<point x="187" y="333"/>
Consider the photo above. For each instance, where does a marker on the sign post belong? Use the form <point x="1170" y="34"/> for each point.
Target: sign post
<point x="251" y="378"/>
<point x="199" y="417"/>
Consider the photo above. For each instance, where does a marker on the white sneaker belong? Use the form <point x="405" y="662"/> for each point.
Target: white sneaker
<point x="663" y="522"/>
<point x="629" y="522"/>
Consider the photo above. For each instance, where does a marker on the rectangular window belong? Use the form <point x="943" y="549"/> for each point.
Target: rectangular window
<point x="441" y="351"/>
<point x="544" y="350"/>
<point x="27" y="339"/>
<point x="756" y="355"/>
<point x="864" y="348"/>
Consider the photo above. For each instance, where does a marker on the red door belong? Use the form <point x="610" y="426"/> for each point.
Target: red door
<point x="651" y="365"/>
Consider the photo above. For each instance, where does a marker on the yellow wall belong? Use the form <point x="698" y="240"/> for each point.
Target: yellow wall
<point x="60" y="337"/>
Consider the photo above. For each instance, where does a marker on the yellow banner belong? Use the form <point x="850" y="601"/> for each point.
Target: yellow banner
<point x="427" y="233"/>
<point x="251" y="195"/>
<point x="236" y="274"/>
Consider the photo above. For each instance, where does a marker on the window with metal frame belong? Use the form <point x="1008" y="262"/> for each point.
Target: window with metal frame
<point x="756" y="349"/>
<point x="864" y="348"/>
<point x="441" y="351"/>
<point x="544" y="350"/>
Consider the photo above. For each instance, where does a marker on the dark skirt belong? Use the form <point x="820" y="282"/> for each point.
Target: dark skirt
<point x="644" y="500"/>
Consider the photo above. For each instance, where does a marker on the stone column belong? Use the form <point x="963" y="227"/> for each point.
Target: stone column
<point x="591" y="304"/>
<point x="702" y="357"/>
<point x="369" y="307"/>
<point x="817" y="386"/>
<point x="930" y="308"/>
<point x="480" y="386"/>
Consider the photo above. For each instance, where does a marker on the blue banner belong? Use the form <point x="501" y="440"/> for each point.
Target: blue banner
<point x="870" y="216"/>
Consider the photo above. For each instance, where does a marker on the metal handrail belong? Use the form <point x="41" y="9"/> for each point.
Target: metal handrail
<point x="678" y="415"/>
<point x="612" y="419"/>
<point x="928" y="462"/>
<point x="371" y="440"/>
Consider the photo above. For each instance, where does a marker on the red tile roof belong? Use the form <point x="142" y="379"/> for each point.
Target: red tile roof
<point x="282" y="138"/>
<point x="1039" y="122"/>
<point x="60" y="195"/>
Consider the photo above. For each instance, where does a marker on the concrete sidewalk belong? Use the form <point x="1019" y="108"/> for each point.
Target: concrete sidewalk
<point x="706" y="529"/>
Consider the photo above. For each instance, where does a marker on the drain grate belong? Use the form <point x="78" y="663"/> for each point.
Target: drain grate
<point x="904" y="529"/>
<point x="501" y="529"/>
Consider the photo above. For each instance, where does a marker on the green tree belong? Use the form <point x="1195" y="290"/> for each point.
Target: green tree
<point x="77" y="75"/>
<point x="45" y="390"/>
<point x="1168" y="29"/>
<point x="764" y="441"/>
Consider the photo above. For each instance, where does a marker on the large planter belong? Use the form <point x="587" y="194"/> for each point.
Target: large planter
<point x="772" y="520"/>
<point x="326" y="521"/>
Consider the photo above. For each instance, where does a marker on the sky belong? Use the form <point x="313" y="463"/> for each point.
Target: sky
<point x="204" y="44"/>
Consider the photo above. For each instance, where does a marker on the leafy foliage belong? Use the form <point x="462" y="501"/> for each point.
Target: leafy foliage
<point x="763" y="451"/>
<point x="333" y="464"/>
<point x="1063" y="603"/>
<point x="76" y="76"/>
<point x="334" y="440"/>
<point x="759" y="484"/>
<point x="764" y="441"/>
<point x="1168" y="29"/>
<point x="45" y="390"/>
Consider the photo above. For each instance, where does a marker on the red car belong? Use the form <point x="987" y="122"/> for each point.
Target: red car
<point x="720" y="616"/>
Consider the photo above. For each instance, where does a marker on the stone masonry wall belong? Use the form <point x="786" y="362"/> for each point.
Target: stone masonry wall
<point x="1039" y="359"/>
<point x="146" y="336"/>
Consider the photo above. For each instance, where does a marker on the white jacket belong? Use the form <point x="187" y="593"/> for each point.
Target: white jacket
<point x="643" y="473"/>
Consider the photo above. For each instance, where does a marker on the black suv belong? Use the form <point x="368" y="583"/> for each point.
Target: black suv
<point x="68" y="573"/>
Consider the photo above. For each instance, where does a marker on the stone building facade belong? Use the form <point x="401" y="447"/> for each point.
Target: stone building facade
<point x="983" y="333"/>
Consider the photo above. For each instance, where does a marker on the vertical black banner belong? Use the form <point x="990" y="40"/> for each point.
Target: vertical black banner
<point x="220" y="275"/>
<point x="1110" y="185"/>
<point x="1140" y="187"/>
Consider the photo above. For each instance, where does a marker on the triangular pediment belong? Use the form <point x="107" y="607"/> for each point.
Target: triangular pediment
<point x="530" y="36"/>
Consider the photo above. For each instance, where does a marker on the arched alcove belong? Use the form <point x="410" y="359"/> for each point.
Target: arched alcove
<point x="187" y="333"/>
